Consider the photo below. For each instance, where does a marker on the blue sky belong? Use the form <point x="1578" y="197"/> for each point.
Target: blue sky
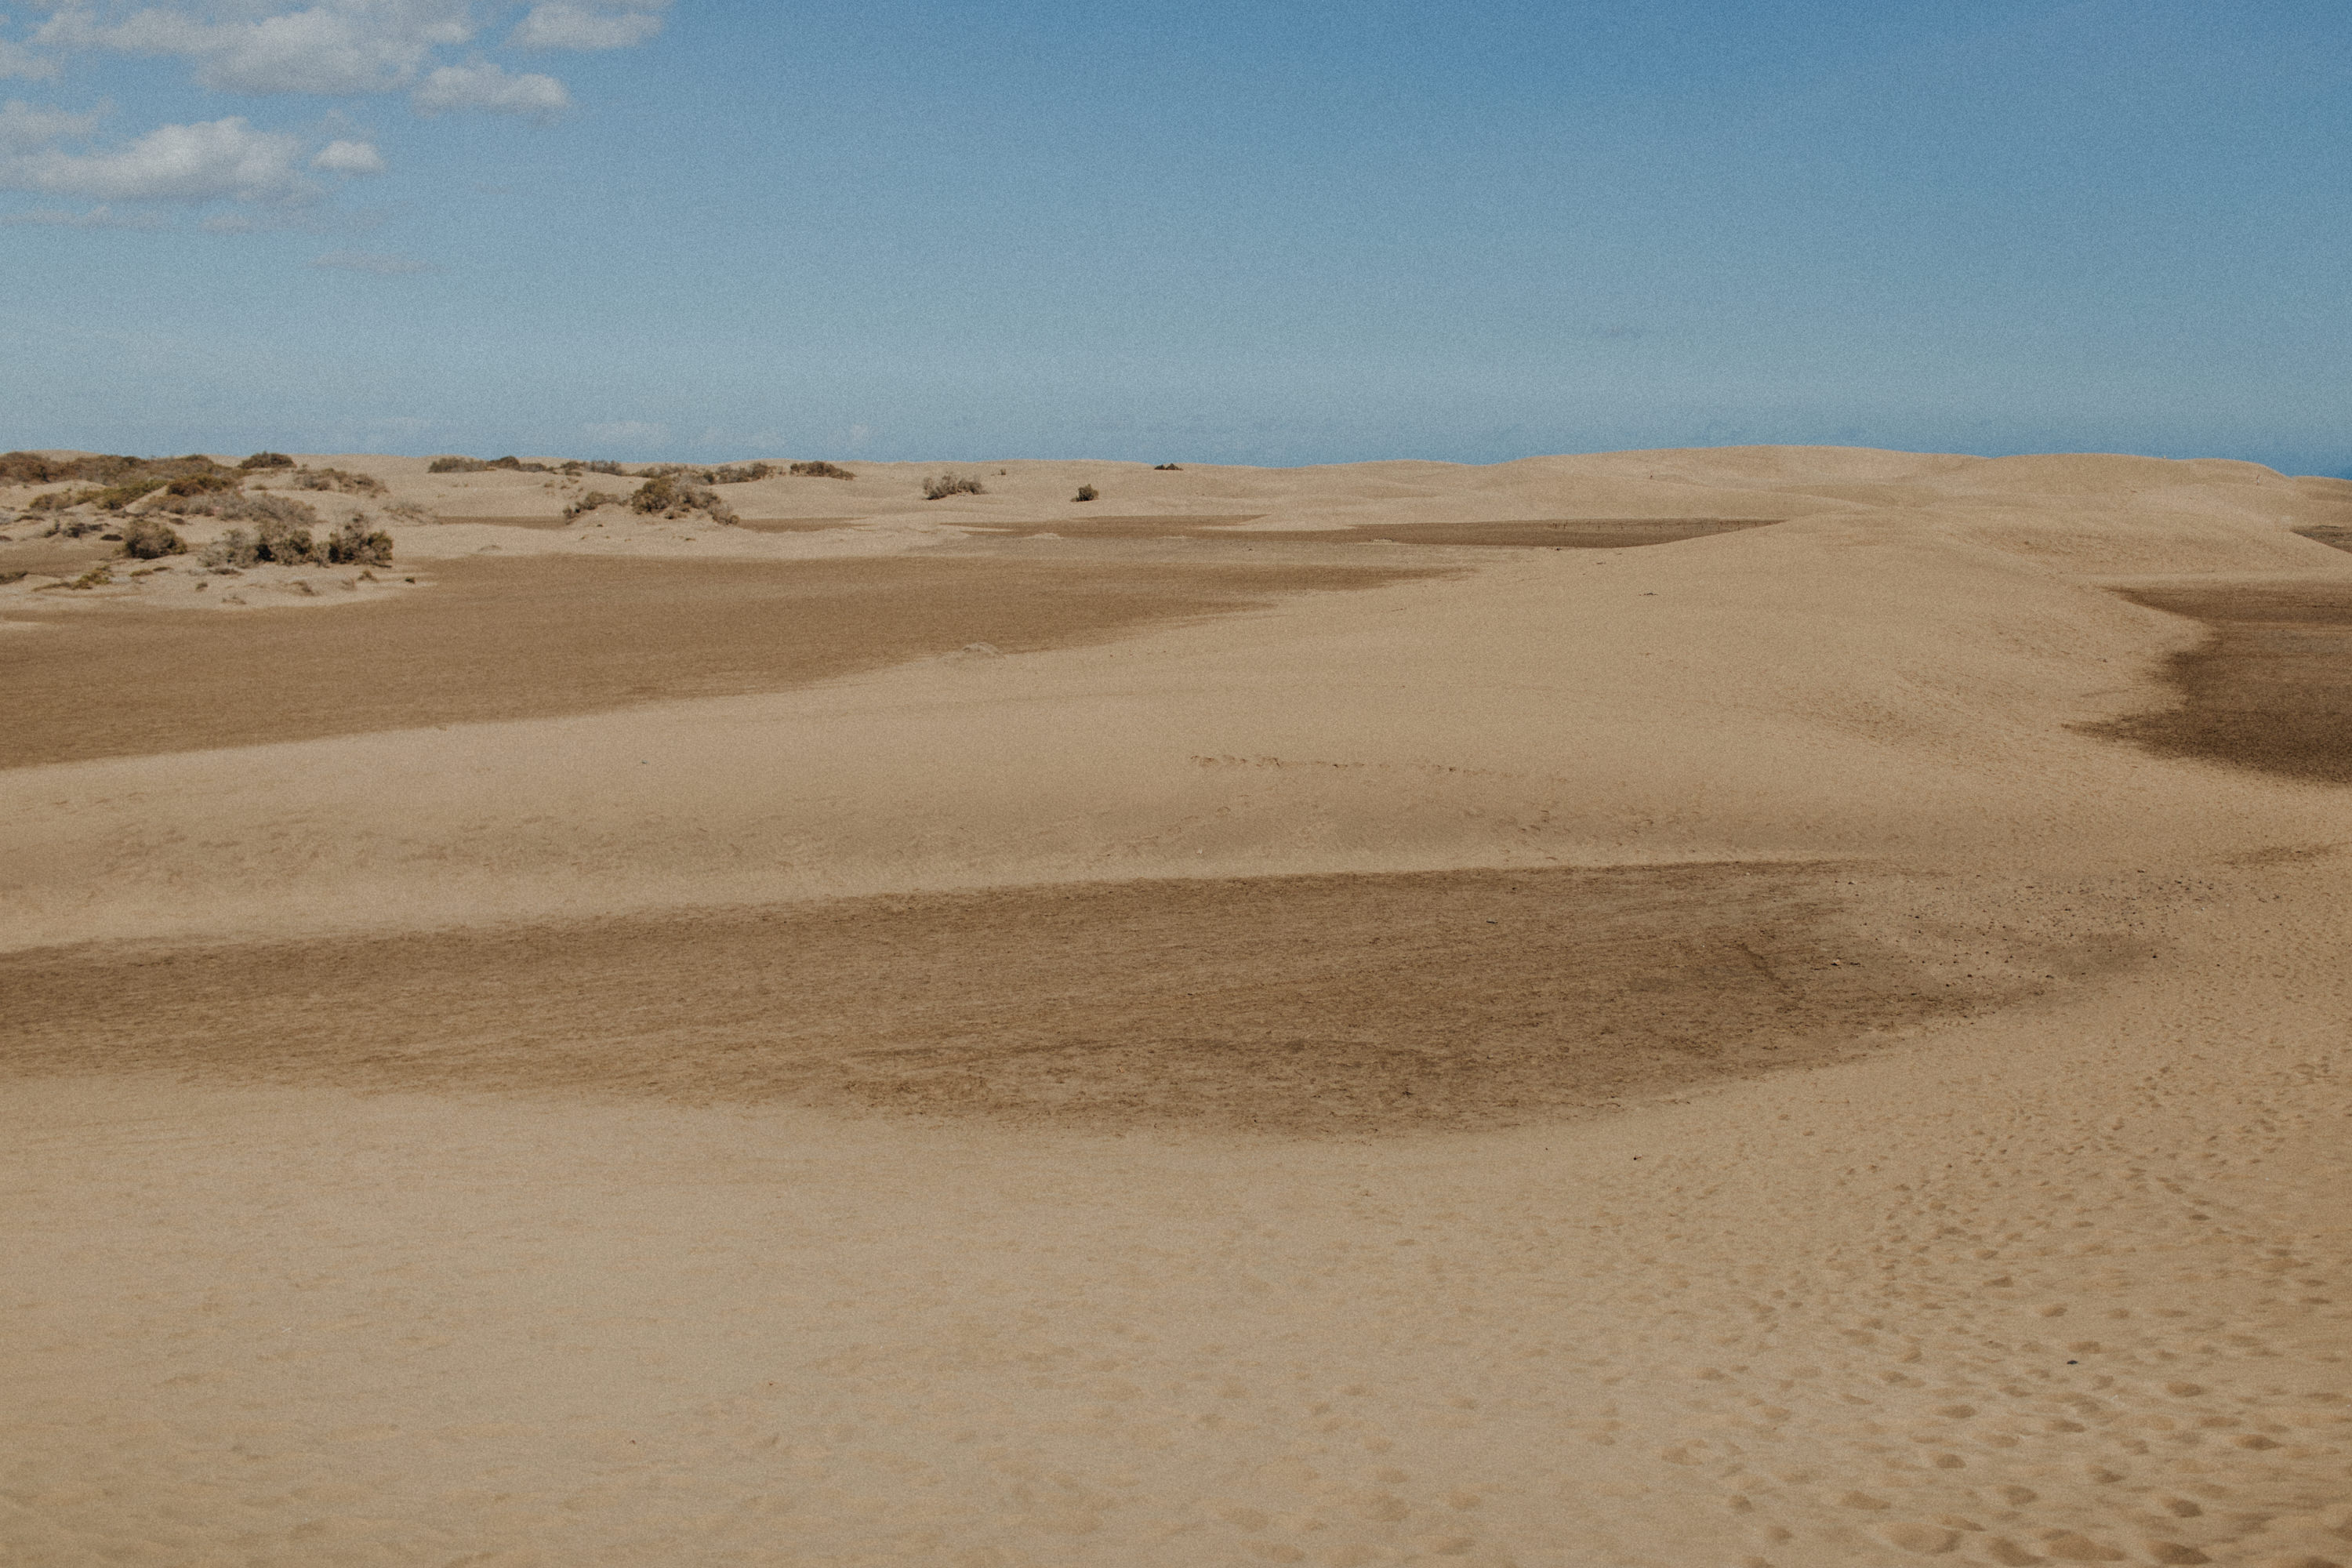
<point x="1271" y="232"/>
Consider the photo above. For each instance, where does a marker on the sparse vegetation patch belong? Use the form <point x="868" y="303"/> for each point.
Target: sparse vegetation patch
<point x="820" y="470"/>
<point x="341" y="481"/>
<point x="588" y="503"/>
<point x="267" y="460"/>
<point x="1085" y="492"/>
<point x="951" y="484"/>
<point x="478" y="465"/>
<point x="233" y="508"/>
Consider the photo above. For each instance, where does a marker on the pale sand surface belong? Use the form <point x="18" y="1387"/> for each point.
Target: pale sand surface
<point x="1810" y="1044"/>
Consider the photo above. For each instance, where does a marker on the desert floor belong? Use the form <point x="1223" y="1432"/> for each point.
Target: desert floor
<point x="1755" y="1006"/>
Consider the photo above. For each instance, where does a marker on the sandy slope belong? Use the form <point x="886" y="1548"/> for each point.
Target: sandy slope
<point x="961" y="1243"/>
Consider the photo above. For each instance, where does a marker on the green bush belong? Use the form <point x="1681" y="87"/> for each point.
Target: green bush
<point x="1085" y="492"/>
<point x="951" y="484"/>
<point x="148" y="540"/>
<point x="267" y="460"/>
<point x="820" y="470"/>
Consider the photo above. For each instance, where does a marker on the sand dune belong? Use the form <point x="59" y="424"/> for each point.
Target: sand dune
<point x="994" y="1033"/>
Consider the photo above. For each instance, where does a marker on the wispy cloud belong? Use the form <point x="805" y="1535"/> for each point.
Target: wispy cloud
<point x="97" y="217"/>
<point x="16" y="60"/>
<point x="216" y="159"/>
<point x="335" y="47"/>
<point x="383" y="266"/>
<point x="23" y="126"/>
<point x="562" y="25"/>
<point x="491" y="87"/>
<point x="349" y="158"/>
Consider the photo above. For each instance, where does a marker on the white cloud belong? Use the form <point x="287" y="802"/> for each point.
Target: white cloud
<point x="16" y="60"/>
<point x="490" y="88"/>
<point x="220" y="158"/>
<point x="97" y="217"/>
<point x="620" y="431"/>
<point x="370" y="261"/>
<point x="24" y="127"/>
<point x="563" y="25"/>
<point x="349" y="158"/>
<point x="334" y="46"/>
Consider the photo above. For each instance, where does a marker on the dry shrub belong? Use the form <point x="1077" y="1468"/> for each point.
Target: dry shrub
<point x="203" y="484"/>
<point x="742" y="473"/>
<point x="267" y="460"/>
<point x="341" y="481"/>
<point x="27" y="469"/>
<point x="97" y="576"/>
<point x="58" y="500"/>
<point x="356" y="544"/>
<point x="820" y="470"/>
<point x="148" y="540"/>
<point x="951" y="484"/>
<point x="1167" y="468"/>
<point x="1085" y="492"/>
<point x="277" y="541"/>
<point x="595" y="466"/>
<point x="588" y="503"/>
<point x="668" y="496"/>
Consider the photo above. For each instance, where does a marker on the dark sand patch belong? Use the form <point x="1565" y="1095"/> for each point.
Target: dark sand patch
<point x="1566" y="534"/>
<point x="2329" y="534"/>
<point x="552" y="635"/>
<point x="1570" y="533"/>
<point x="2271" y="689"/>
<point x="750" y="524"/>
<point x="796" y="524"/>
<point x="1295" y="1004"/>
<point x="1091" y="525"/>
